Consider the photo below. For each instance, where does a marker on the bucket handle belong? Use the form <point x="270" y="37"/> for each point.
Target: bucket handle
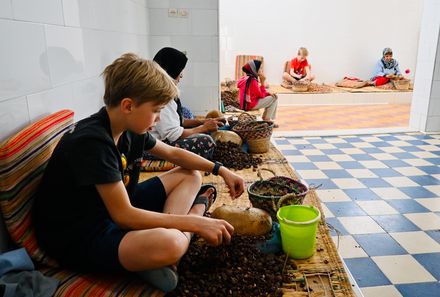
<point x="267" y="169"/>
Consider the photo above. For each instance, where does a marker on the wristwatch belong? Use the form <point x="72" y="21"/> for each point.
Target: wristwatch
<point x="216" y="168"/>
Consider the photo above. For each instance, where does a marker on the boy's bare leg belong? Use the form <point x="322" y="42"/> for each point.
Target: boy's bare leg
<point x="148" y="249"/>
<point x="181" y="186"/>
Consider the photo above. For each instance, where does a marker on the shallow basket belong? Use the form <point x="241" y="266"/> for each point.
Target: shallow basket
<point x="300" y="86"/>
<point x="254" y="129"/>
<point x="243" y="117"/>
<point x="401" y="84"/>
<point x="292" y="192"/>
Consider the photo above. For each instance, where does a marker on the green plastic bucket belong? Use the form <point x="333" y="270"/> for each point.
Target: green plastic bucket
<point x="298" y="230"/>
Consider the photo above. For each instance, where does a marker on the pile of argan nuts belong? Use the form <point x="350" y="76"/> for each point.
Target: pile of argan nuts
<point x="231" y="156"/>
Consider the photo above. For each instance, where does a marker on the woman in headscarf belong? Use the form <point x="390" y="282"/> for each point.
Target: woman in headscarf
<point x="173" y="128"/>
<point x="253" y="94"/>
<point x="386" y="68"/>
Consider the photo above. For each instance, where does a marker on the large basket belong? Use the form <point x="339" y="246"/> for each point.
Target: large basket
<point x="243" y="117"/>
<point x="300" y="86"/>
<point x="291" y="192"/>
<point x="259" y="146"/>
<point x="401" y="84"/>
<point x="254" y="129"/>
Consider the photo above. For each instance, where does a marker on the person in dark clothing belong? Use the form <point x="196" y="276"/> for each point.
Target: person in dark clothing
<point x="90" y="212"/>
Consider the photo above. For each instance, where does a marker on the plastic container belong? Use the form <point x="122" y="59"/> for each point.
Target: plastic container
<point x="298" y="225"/>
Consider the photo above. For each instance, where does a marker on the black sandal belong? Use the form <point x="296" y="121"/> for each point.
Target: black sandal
<point x="205" y="200"/>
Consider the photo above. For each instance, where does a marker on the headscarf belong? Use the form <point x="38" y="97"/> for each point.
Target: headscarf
<point x="173" y="62"/>
<point x="251" y="69"/>
<point x="388" y="64"/>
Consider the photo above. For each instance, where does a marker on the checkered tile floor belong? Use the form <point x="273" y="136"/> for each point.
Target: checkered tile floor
<point x="382" y="192"/>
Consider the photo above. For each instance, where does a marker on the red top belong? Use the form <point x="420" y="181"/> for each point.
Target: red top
<point x="298" y="67"/>
<point x="256" y="92"/>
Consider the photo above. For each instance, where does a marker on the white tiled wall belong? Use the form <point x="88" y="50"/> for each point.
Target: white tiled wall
<point x="53" y="51"/>
<point x="425" y="109"/>
<point x="197" y="35"/>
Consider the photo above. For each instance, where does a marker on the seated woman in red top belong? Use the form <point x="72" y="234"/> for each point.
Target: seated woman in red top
<point x="299" y="68"/>
<point x="253" y="94"/>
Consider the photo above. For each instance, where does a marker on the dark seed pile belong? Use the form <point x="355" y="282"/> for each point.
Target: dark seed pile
<point x="231" y="156"/>
<point x="237" y="269"/>
<point x="230" y="98"/>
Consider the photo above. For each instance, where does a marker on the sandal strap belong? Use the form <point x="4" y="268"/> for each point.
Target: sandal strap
<point x="202" y="200"/>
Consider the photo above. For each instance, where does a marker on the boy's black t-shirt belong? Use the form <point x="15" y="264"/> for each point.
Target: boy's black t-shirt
<point x="68" y="207"/>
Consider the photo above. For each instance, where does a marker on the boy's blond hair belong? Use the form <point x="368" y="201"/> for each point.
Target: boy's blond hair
<point x="302" y="51"/>
<point x="130" y="76"/>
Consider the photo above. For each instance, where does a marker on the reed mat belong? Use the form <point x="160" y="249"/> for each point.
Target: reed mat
<point x="321" y="275"/>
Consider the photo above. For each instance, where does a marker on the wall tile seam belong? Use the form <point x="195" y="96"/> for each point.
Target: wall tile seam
<point x="76" y="27"/>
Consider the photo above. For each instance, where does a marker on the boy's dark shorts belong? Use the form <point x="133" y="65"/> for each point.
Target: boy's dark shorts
<point x="102" y="251"/>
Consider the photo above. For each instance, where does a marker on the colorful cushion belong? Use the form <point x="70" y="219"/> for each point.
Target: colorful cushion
<point x="156" y="165"/>
<point x="23" y="158"/>
<point x="240" y="60"/>
<point x="98" y="285"/>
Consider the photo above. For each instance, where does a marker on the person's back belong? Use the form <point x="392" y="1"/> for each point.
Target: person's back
<point x="256" y="91"/>
<point x="68" y="191"/>
<point x="252" y="92"/>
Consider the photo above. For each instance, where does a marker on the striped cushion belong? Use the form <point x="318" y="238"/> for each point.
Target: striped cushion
<point x="240" y="60"/>
<point x="23" y="158"/>
<point x="156" y="165"/>
<point x="98" y="285"/>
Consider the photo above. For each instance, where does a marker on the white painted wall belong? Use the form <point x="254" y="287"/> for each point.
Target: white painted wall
<point x="197" y="35"/>
<point x="433" y="121"/>
<point x="425" y="109"/>
<point x="344" y="37"/>
<point x="53" y="51"/>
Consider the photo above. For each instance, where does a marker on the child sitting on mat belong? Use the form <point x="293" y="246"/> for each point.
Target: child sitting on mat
<point x="299" y="67"/>
<point x="90" y="212"/>
<point x="386" y="68"/>
<point x="253" y="93"/>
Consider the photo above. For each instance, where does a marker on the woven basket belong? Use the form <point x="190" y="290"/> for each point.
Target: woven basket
<point x="259" y="146"/>
<point x="401" y="84"/>
<point x="230" y="97"/>
<point x="300" y="86"/>
<point x="291" y="192"/>
<point x="254" y="129"/>
<point x="243" y="117"/>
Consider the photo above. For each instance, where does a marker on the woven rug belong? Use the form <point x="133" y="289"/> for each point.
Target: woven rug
<point x="313" y="89"/>
<point x="323" y="273"/>
<point x="370" y="89"/>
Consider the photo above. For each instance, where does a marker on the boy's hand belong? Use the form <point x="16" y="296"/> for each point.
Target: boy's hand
<point x="234" y="182"/>
<point x="215" y="231"/>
